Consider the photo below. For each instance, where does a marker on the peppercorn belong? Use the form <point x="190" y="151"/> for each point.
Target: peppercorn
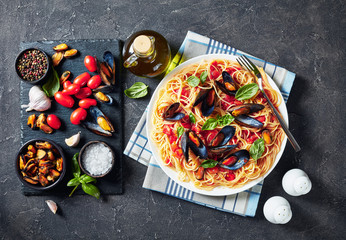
<point x="32" y="65"/>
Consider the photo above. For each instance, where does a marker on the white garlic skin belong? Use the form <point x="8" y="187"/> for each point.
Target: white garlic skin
<point x="38" y="100"/>
<point x="52" y="206"/>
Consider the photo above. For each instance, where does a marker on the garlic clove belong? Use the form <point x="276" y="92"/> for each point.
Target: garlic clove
<point x="52" y="205"/>
<point x="73" y="140"/>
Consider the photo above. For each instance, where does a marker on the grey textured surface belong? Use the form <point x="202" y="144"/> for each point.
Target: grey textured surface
<point x="306" y="37"/>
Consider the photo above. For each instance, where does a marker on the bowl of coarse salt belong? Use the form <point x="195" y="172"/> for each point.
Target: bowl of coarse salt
<point x="96" y="159"/>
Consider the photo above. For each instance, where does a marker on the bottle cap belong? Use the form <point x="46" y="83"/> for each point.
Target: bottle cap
<point x="142" y="44"/>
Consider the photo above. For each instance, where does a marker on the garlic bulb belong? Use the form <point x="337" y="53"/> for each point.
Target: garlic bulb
<point x="38" y="100"/>
<point x="73" y="140"/>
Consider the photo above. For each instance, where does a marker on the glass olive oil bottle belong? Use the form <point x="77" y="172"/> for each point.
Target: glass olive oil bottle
<point x="146" y="53"/>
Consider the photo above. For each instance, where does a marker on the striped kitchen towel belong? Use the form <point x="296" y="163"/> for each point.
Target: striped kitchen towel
<point x="244" y="203"/>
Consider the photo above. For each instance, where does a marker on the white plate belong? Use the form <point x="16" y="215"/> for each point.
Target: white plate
<point x="218" y="191"/>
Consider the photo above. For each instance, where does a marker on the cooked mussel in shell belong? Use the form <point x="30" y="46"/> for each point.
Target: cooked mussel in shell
<point x="223" y="136"/>
<point x="172" y="114"/>
<point x="207" y="98"/>
<point x="235" y="160"/>
<point x="191" y="141"/>
<point x="245" y="109"/>
<point x="103" y="98"/>
<point x="228" y="86"/>
<point x="247" y="121"/>
<point x="101" y="125"/>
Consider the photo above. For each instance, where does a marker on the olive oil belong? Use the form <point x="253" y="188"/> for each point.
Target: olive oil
<point x="146" y="53"/>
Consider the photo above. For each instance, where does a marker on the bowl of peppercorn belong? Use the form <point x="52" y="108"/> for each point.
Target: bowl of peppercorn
<point x="32" y="65"/>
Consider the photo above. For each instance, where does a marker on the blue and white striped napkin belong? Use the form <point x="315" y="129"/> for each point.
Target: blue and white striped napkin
<point x="244" y="203"/>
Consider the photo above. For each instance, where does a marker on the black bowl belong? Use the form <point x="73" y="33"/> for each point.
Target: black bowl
<point x="48" y="69"/>
<point x="80" y="161"/>
<point x="38" y="186"/>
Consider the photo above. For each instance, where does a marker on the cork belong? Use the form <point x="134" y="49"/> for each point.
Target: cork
<point x="142" y="44"/>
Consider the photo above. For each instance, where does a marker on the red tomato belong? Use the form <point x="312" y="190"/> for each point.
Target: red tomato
<point x="174" y="147"/>
<point x="94" y="82"/>
<point x="230" y="176"/>
<point x="83" y="93"/>
<point x="90" y="63"/>
<point x="64" y="100"/>
<point x="186" y="125"/>
<point x="82" y="79"/>
<point x="261" y="119"/>
<point x="87" y="102"/>
<point x="213" y="170"/>
<point x="215" y="74"/>
<point x="66" y="84"/>
<point x="179" y="153"/>
<point x="196" y="129"/>
<point x="72" y="89"/>
<point x="53" y="121"/>
<point x="168" y="162"/>
<point x="78" y="115"/>
<point x="172" y="139"/>
<point x="167" y="130"/>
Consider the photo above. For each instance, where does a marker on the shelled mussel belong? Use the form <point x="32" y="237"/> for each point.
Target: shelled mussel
<point x="240" y="113"/>
<point x="228" y="86"/>
<point x="101" y="124"/>
<point x="172" y="114"/>
<point x="207" y="98"/>
<point x="40" y="163"/>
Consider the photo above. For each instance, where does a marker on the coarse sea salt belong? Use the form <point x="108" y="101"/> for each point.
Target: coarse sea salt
<point x="97" y="159"/>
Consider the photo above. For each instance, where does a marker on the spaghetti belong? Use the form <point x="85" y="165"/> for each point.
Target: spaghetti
<point x="165" y="133"/>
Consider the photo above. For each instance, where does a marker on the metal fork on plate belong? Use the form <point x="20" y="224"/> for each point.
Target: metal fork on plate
<point x="245" y="62"/>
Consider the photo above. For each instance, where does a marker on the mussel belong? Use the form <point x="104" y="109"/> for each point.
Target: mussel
<point x="103" y="98"/>
<point x="106" y="69"/>
<point x="172" y="114"/>
<point x="267" y="136"/>
<point x="208" y="101"/>
<point x="235" y="160"/>
<point x="245" y="109"/>
<point x="190" y="140"/>
<point x="248" y="121"/>
<point x="102" y="125"/>
<point x="228" y="86"/>
<point x="223" y="136"/>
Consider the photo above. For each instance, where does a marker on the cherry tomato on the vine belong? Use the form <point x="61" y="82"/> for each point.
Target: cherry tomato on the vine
<point x="78" y="115"/>
<point x="64" y="100"/>
<point x="71" y="90"/>
<point x="82" y="79"/>
<point x="87" y="102"/>
<point x="83" y="93"/>
<point x="94" y="82"/>
<point x="90" y="63"/>
<point x="53" y="121"/>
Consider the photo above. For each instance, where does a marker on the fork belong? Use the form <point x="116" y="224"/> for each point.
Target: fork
<point x="246" y="63"/>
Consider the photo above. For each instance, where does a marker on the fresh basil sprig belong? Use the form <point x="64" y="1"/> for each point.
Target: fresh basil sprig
<point x="193" y="81"/>
<point x="209" y="163"/>
<point x="180" y="131"/>
<point x="204" y="76"/>
<point x="212" y="123"/>
<point x="247" y="91"/>
<point x="192" y="118"/>
<point x="257" y="149"/>
<point x="52" y="85"/>
<point x="85" y="180"/>
<point x="137" y="90"/>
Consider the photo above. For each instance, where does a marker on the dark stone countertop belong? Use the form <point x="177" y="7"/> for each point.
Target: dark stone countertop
<point x="306" y="37"/>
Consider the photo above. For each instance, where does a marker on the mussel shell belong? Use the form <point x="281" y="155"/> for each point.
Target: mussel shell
<point x="109" y="101"/>
<point x="208" y="105"/>
<point x="171" y="114"/>
<point x="200" y="97"/>
<point x="245" y="109"/>
<point x="227" y="78"/>
<point x="221" y="149"/>
<point x="95" y="112"/>
<point x="184" y="146"/>
<point x="104" y="89"/>
<point x="109" y="59"/>
<point x="226" y="133"/>
<point x="95" y="128"/>
<point x="248" y="121"/>
<point x="243" y="158"/>
<point x="199" y="150"/>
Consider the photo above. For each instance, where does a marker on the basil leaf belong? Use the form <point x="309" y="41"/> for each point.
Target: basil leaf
<point x="180" y="131"/>
<point x="225" y="120"/>
<point x="210" y="124"/>
<point x="209" y="163"/>
<point x="52" y="85"/>
<point x="90" y="189"/>
<point x="257" y="149"/>
<point x="193" y="81"/>
<point x="137" y="90"/>
<point x="247" y="91"/>
<point x="73" y="182"/>
<point x="192" y="118"/>
<point x="87" y="179"/>
<point x="204" y="76"/>
<point x="75" y="166"/>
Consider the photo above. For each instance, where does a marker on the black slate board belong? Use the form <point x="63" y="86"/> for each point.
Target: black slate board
<point x="112" y="183"/>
